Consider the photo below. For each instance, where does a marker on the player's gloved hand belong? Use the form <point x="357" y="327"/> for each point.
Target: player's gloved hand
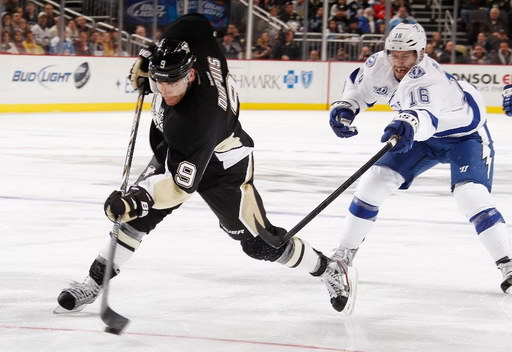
<point x="404" y="126"/>
<point x="342" y="115"/>
<point x="507" y="99"/>
<point x="140" y="68"/>
<point x="134" y="204"/>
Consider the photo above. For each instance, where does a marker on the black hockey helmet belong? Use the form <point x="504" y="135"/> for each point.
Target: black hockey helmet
<point x="171" y="62"/>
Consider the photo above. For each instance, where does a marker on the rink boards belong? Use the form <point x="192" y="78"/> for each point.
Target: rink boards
<point x="79" y="83"/>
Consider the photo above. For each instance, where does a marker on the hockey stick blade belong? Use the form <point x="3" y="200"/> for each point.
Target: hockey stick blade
<point x="114" y="321"/>
<point x="279" y="241"/>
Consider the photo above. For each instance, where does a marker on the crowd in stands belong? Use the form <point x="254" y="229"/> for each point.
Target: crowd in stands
<point x="33" y="30"/>
<point x="485" y="21"/>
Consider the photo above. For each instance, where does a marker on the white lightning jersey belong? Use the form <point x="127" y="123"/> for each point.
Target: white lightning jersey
<point x="445" y="107"/>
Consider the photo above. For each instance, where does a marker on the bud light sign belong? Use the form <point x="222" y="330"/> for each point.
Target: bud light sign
<point x="51" y="76"/>
<point x="166" y="11"/>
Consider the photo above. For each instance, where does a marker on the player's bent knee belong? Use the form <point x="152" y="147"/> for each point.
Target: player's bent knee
<point x="256" y="248"/>
<point x="472" y="198"/>
<point x="377" y="184"/>
<point x="475" y="202"/>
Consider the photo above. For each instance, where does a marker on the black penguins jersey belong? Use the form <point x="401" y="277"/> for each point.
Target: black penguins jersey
<point x="202" y="130"/>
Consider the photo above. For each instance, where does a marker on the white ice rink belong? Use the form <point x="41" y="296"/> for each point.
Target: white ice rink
<point x="426" y="282"/>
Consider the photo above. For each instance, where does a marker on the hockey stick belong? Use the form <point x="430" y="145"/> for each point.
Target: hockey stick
<point x="278" y="241"/>
<point x="116" y="322"/>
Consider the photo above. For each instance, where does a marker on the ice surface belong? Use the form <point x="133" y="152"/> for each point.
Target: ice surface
<point x="426" y="282"/>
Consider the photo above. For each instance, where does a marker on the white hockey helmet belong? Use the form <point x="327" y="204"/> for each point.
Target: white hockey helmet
<point x="405" y="37"/>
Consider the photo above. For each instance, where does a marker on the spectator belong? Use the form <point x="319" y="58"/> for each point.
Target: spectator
<point x="263" y="49"/>
<point x="402" y="16"/>
<point x="314" y="55"/>
<point x="30" y="13"/>
<point x="30" y="45"/>
<point x="395" y="5"/>
<point x="108" y="45"/>
<point x="18" y="41"/>
<point x="338" y="5"/>
<point x="446" y="55"/>
<point x="380" y="10"/>
<point x="237" y="37"/>
<point x="496" y="23"/>
<point x="15" y="21"/>
<point x="23" y="25"/>
<point x="7" y="24"/>
<point x="11" y="5"/>
<point x="41" y="32"/>
<point x="356" y="7"/>
<point x="50" y="16"/>
<point x="140" y="30"/>
<point x="478" y="55"/>
<point x="54" y="30"/>
<point x="97" y="47"/>
<point x="482" y="40"/>
<point x="332" y="29"/>
<point x="229" y="48"/>
<point x="353" y="27"/>
<point x="83" y="46"/>
<point x="364" y="54"/>
<point x="315" y="21"/>
<point x="5" y="45"/>
<point x="341" y="55"/>
<point x="68" y="48"/>
<point x="503" y="56"/>
<point x="290" y="17"/>
<point x="437" y="42"/>
<point x="287" y="49"/>
<point x="341" y="20"/>
<point x="72" y="30"/>
<point x="367" y="22"/>
<point x="431" y="52"/>
<point x="470" y="5"/>
<point x="381" y="28"/>
<point x="81" y="24"/>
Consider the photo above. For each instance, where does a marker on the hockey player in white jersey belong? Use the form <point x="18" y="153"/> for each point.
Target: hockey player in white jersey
<point x="438" y="120"/>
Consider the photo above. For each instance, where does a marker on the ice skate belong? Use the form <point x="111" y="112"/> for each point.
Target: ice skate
<point x="506" y="269"/>
<point x="75" y="297"/>
<point x="341" y="281"/>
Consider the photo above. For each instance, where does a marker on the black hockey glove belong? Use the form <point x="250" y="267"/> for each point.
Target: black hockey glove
<point x="134" y="204"/>
<point x="140" y="68"/>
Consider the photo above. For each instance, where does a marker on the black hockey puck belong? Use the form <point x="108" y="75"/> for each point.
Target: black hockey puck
<point x="113" y="331"/>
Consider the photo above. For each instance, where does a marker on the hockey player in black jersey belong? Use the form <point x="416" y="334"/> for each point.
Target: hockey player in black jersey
<point x="199" y="146"/>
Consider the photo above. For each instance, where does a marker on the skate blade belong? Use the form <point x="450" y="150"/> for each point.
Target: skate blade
<point x="62" y="310"/>
<point x="352" y="277"/>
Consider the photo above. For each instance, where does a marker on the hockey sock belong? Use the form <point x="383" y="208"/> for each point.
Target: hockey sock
<point x="299" y="254"/>
<point x="128" y="240"/>
<point x="358" y="223"/>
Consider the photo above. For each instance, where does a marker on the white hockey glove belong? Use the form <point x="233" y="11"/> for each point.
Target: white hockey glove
<point x="134" y="204"/>
<point x="405" y="126"/>
<point x="139" y="71"/>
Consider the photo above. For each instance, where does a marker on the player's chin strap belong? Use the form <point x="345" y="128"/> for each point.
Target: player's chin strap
<point x="116" y="322"/>
<point x="278" y="241"/>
